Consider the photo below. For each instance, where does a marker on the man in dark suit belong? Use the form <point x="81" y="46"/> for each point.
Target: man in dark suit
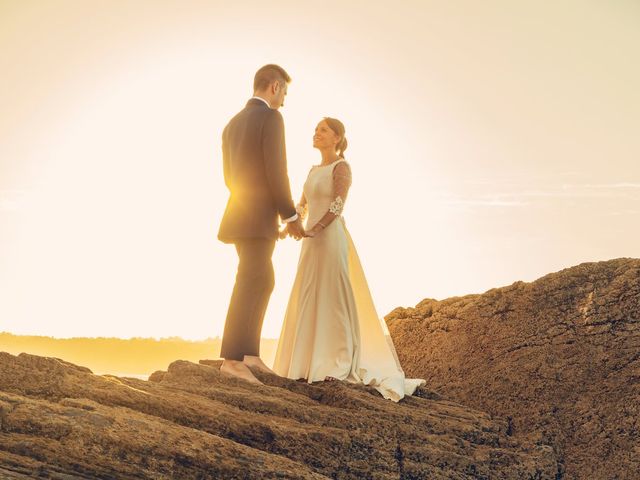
<point x="255" y="172"/>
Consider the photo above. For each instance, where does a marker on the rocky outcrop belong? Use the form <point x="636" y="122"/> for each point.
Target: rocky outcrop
<point x="559" y="356"/>
<point x="59" y="420"/>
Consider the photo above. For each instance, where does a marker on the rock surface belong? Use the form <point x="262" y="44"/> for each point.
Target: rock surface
<point x="58" y="420"/>
<point x="560" y="356"/>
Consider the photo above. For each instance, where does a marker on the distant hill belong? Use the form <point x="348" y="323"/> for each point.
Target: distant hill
<point x="560" y="356"/>
<point x="135" y="357"/>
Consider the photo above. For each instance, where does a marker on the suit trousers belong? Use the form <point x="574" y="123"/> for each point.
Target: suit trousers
<point x="255" y="281"/>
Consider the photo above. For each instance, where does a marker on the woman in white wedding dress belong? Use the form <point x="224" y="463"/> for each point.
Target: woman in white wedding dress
<point x="331" y="329"/>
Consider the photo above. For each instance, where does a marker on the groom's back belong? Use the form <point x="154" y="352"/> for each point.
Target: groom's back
<point x="254" y="161"/>
<point x="243" y="139"/>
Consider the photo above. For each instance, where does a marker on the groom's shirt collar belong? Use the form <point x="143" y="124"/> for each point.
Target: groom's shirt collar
<point x="260" y="98"/>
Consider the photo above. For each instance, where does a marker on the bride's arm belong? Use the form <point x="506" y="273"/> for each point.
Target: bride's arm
<point x="301" y="207"/>
<point x="301" y="210"/>
<point x="341" y="184"/>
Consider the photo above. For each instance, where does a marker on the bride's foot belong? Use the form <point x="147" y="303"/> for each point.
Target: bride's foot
<point x="257" y="362"/>
<point x="331" y="379"/>
<point x="240" y="370"/>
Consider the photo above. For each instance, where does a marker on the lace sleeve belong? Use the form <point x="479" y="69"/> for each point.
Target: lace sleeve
<point x="341" y="184"/>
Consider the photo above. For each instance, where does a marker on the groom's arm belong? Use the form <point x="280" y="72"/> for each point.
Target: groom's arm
<point x="275" y="165"/>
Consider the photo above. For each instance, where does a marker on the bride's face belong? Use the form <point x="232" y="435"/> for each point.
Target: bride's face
<point x="324" y="137"/>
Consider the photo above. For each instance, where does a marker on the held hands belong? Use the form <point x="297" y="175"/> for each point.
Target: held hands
<point x="297" y="231"/>
<point x="293" y="229"/>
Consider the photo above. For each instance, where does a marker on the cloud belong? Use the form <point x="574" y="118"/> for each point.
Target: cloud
<point x="486" y="203"/>
<point x="564" y="194"/>
<point x="613" y="186"/>
<point x="514" y="194"/>
<point x="518" y="180"/>
<point x="618" y="213"/>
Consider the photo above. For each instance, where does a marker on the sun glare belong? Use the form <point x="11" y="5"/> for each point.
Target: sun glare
<point x="471" y="167"/>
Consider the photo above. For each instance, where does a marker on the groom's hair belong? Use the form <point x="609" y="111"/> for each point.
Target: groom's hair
<point x="268" y="74"/>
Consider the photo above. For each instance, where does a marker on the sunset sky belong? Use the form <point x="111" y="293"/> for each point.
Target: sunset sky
<point x="490" y="142"/>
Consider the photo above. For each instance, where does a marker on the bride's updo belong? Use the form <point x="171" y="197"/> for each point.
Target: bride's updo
<point x="338" y="128"/>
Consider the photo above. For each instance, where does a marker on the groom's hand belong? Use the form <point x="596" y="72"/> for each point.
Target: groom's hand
<point x="295" y="229"/>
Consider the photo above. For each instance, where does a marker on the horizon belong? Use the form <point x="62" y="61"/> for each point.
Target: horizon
<point x="137" y="356"/>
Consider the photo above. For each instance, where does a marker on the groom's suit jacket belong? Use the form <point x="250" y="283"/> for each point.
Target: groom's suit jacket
<point x="255" y="172"/>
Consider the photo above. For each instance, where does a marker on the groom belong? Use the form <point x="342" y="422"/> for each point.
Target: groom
<point x="255" y="172"/>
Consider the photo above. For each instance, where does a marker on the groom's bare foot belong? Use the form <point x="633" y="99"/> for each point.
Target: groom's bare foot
<point x="239" y="369"/>
<point x="257" y="362"/>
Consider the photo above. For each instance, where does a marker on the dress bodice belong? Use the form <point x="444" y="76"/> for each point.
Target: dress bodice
<point x="318" y="190"/>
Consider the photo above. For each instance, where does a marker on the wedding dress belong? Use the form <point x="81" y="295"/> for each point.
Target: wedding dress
<point x="331" y="327"/>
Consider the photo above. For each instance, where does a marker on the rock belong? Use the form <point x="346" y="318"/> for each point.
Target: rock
<point x="59" y="420"/>
<point x="560" y="356"/>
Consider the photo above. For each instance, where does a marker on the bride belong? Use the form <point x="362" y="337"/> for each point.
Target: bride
<point x="331" y="329"/>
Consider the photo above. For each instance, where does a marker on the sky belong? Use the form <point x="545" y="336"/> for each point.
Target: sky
<point x="490" y="142"/>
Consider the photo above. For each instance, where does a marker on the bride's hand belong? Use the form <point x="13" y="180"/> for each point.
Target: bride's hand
<point x="312" y="232"/>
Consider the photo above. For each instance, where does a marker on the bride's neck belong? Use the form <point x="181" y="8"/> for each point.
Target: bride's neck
<point x="328" y="156"/>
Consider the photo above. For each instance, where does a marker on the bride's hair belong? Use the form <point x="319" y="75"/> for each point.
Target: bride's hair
<point x="338" y="128"/>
